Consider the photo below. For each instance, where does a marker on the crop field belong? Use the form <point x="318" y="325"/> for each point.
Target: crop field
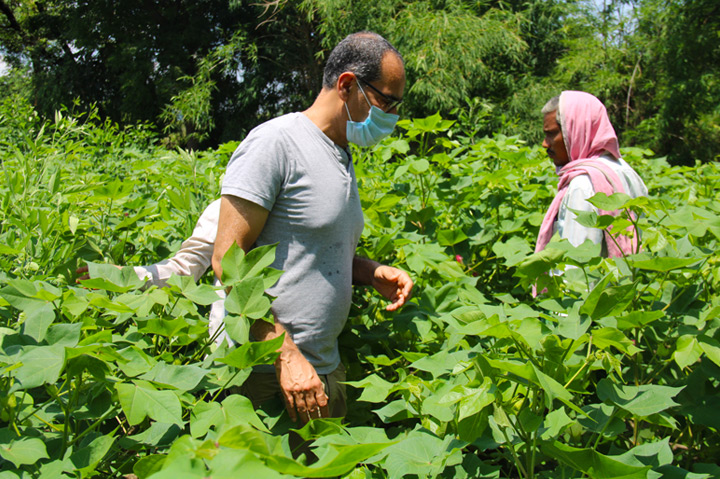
<point x="612" y="372"/>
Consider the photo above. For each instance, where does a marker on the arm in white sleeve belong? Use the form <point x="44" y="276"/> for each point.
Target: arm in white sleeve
<point x="579" y="190"/>
<point x="194" y="256"/>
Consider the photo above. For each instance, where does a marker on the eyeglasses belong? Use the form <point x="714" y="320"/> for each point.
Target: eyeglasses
<point x="390" y="101"/>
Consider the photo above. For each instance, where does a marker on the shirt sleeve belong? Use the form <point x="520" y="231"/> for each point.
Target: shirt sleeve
<point x="256" y="171"/>
<point x="194" y="256"/>
<point x="579" y="190"/>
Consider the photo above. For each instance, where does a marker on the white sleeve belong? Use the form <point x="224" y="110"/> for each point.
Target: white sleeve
<point x="579" y="190"/>
<point x="194" y="256"/>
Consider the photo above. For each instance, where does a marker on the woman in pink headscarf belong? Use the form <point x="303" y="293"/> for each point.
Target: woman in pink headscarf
<point x="582" y="143"/>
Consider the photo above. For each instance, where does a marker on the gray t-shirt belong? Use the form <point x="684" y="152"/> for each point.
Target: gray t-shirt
<point x="307" y="183"/>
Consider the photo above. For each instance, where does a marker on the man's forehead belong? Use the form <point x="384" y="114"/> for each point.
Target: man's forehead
<point x="393" y="72"/>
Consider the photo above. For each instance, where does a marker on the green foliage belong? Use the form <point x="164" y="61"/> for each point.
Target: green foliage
<point x="612" y="371"/>
<point x="635" y="57"/>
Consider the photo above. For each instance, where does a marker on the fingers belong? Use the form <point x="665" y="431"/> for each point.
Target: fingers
<point x="316" y="405"/>
<point x="83" y="271"/>
<point x="306" y="404"/>
<point x="403" y="289"/>
<point x="290" y="405"/>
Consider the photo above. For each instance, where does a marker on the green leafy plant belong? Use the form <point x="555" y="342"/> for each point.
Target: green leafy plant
<point x="613" y="371"/>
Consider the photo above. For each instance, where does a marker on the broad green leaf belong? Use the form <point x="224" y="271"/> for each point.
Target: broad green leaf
<point x="87" y="457"/>
<point x="472" y="427"/>
<point x="641" y="401"/>
<point x="238" y="409"/>
<point x="248" y="298"/>
<point x="162" y="327"/>
<point x="538" y="263"/>
<point x="574" y="325"/>
<point x="254" y="352"/>
<point x="23" y="294"/>
<point x="40" y="365"/>
<point x="136" y="362"/>
<point x="227" y="463"/>
<point x="653" y="454"/>
<point x="67" y="335"/>
<point x="184" y="378"/>
<point x="555" y="422"/>
<point x="197" y="293"/>
<point x="187" y="466"/>
<point x="594" y="464"/>
<point x="603" y="419"/>
<point x="442" y="362"/>
<point x="591" y="301"/>
<point x="203" y="416"/>
<point x="140" y="400"/>
<point x="606" y="337"/>
<point x="441" y="403"/>
<point x="159" y="434"/>
<point x="237" y="327"/>
<point x="638" y="319"/>
<point x="423" y="454"/>
<point x="52" y="470"/>
<point x="38" y="320"/>
<point x="238" y="266"/>
<point x="664" y="264"/>
<point x="419" y="166"/>
<point x="338" y="461"/>
<point x="375" y="389"/>
<point x="711" y="348"/>
<point x="514" y="250"/>
<point x="673" y="472"/>
<point x="245" y="437"/>
<point x="477" y="399"/>
<point x="112" y="278"/>
<point x="609" y="203"/>
<point x="387" y="202"/>
<point x="552" y="388"/>
<point x="321" y="428"/>
<point x="451" y="237"/>
<point x="23" y="451"/>
<point x="687" y="350"/>
<point x="395" y="411"/>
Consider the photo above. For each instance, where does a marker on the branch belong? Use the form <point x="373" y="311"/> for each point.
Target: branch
<point x="14" y="24"/>
<point x="632" y="80"/>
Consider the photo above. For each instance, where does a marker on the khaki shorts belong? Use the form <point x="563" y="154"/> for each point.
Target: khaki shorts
<point x="262" y="387"/>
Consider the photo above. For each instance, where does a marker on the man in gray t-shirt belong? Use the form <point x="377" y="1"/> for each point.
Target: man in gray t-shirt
<point x="292" y="182"/>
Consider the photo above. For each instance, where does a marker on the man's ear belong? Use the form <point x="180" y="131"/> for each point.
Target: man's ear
<point x="344" y="85"/>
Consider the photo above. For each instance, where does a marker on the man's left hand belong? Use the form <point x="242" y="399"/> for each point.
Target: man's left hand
<point x="394" y="284"/>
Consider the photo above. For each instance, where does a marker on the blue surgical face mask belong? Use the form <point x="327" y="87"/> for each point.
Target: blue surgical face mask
<point x="376" y="126"/>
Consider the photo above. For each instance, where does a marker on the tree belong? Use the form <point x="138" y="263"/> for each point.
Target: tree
<point x="206" y="63"/>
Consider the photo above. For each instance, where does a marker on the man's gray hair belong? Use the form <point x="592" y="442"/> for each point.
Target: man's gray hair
<point x="551" y="106"/>
<point x="360" y="53"/>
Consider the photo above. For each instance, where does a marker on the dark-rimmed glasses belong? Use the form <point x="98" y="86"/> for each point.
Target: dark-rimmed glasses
<point x="391" y="102"/>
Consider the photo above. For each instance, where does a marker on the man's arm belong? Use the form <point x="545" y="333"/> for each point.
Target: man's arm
<point x="393" y="283"/>
<point x="241" y="221"/>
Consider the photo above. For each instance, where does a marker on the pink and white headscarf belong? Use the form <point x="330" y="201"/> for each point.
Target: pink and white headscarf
<point x="588" y="134"/>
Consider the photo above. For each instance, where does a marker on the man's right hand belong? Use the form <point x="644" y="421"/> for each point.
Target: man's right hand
<point x="302" y="388"/>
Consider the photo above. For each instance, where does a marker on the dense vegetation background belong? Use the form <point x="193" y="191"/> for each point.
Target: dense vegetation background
<point x="613" y="372"/>
<point x="206" y="72"/>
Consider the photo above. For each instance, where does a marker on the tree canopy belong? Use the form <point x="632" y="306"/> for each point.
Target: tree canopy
<point x="207" y="71"/>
